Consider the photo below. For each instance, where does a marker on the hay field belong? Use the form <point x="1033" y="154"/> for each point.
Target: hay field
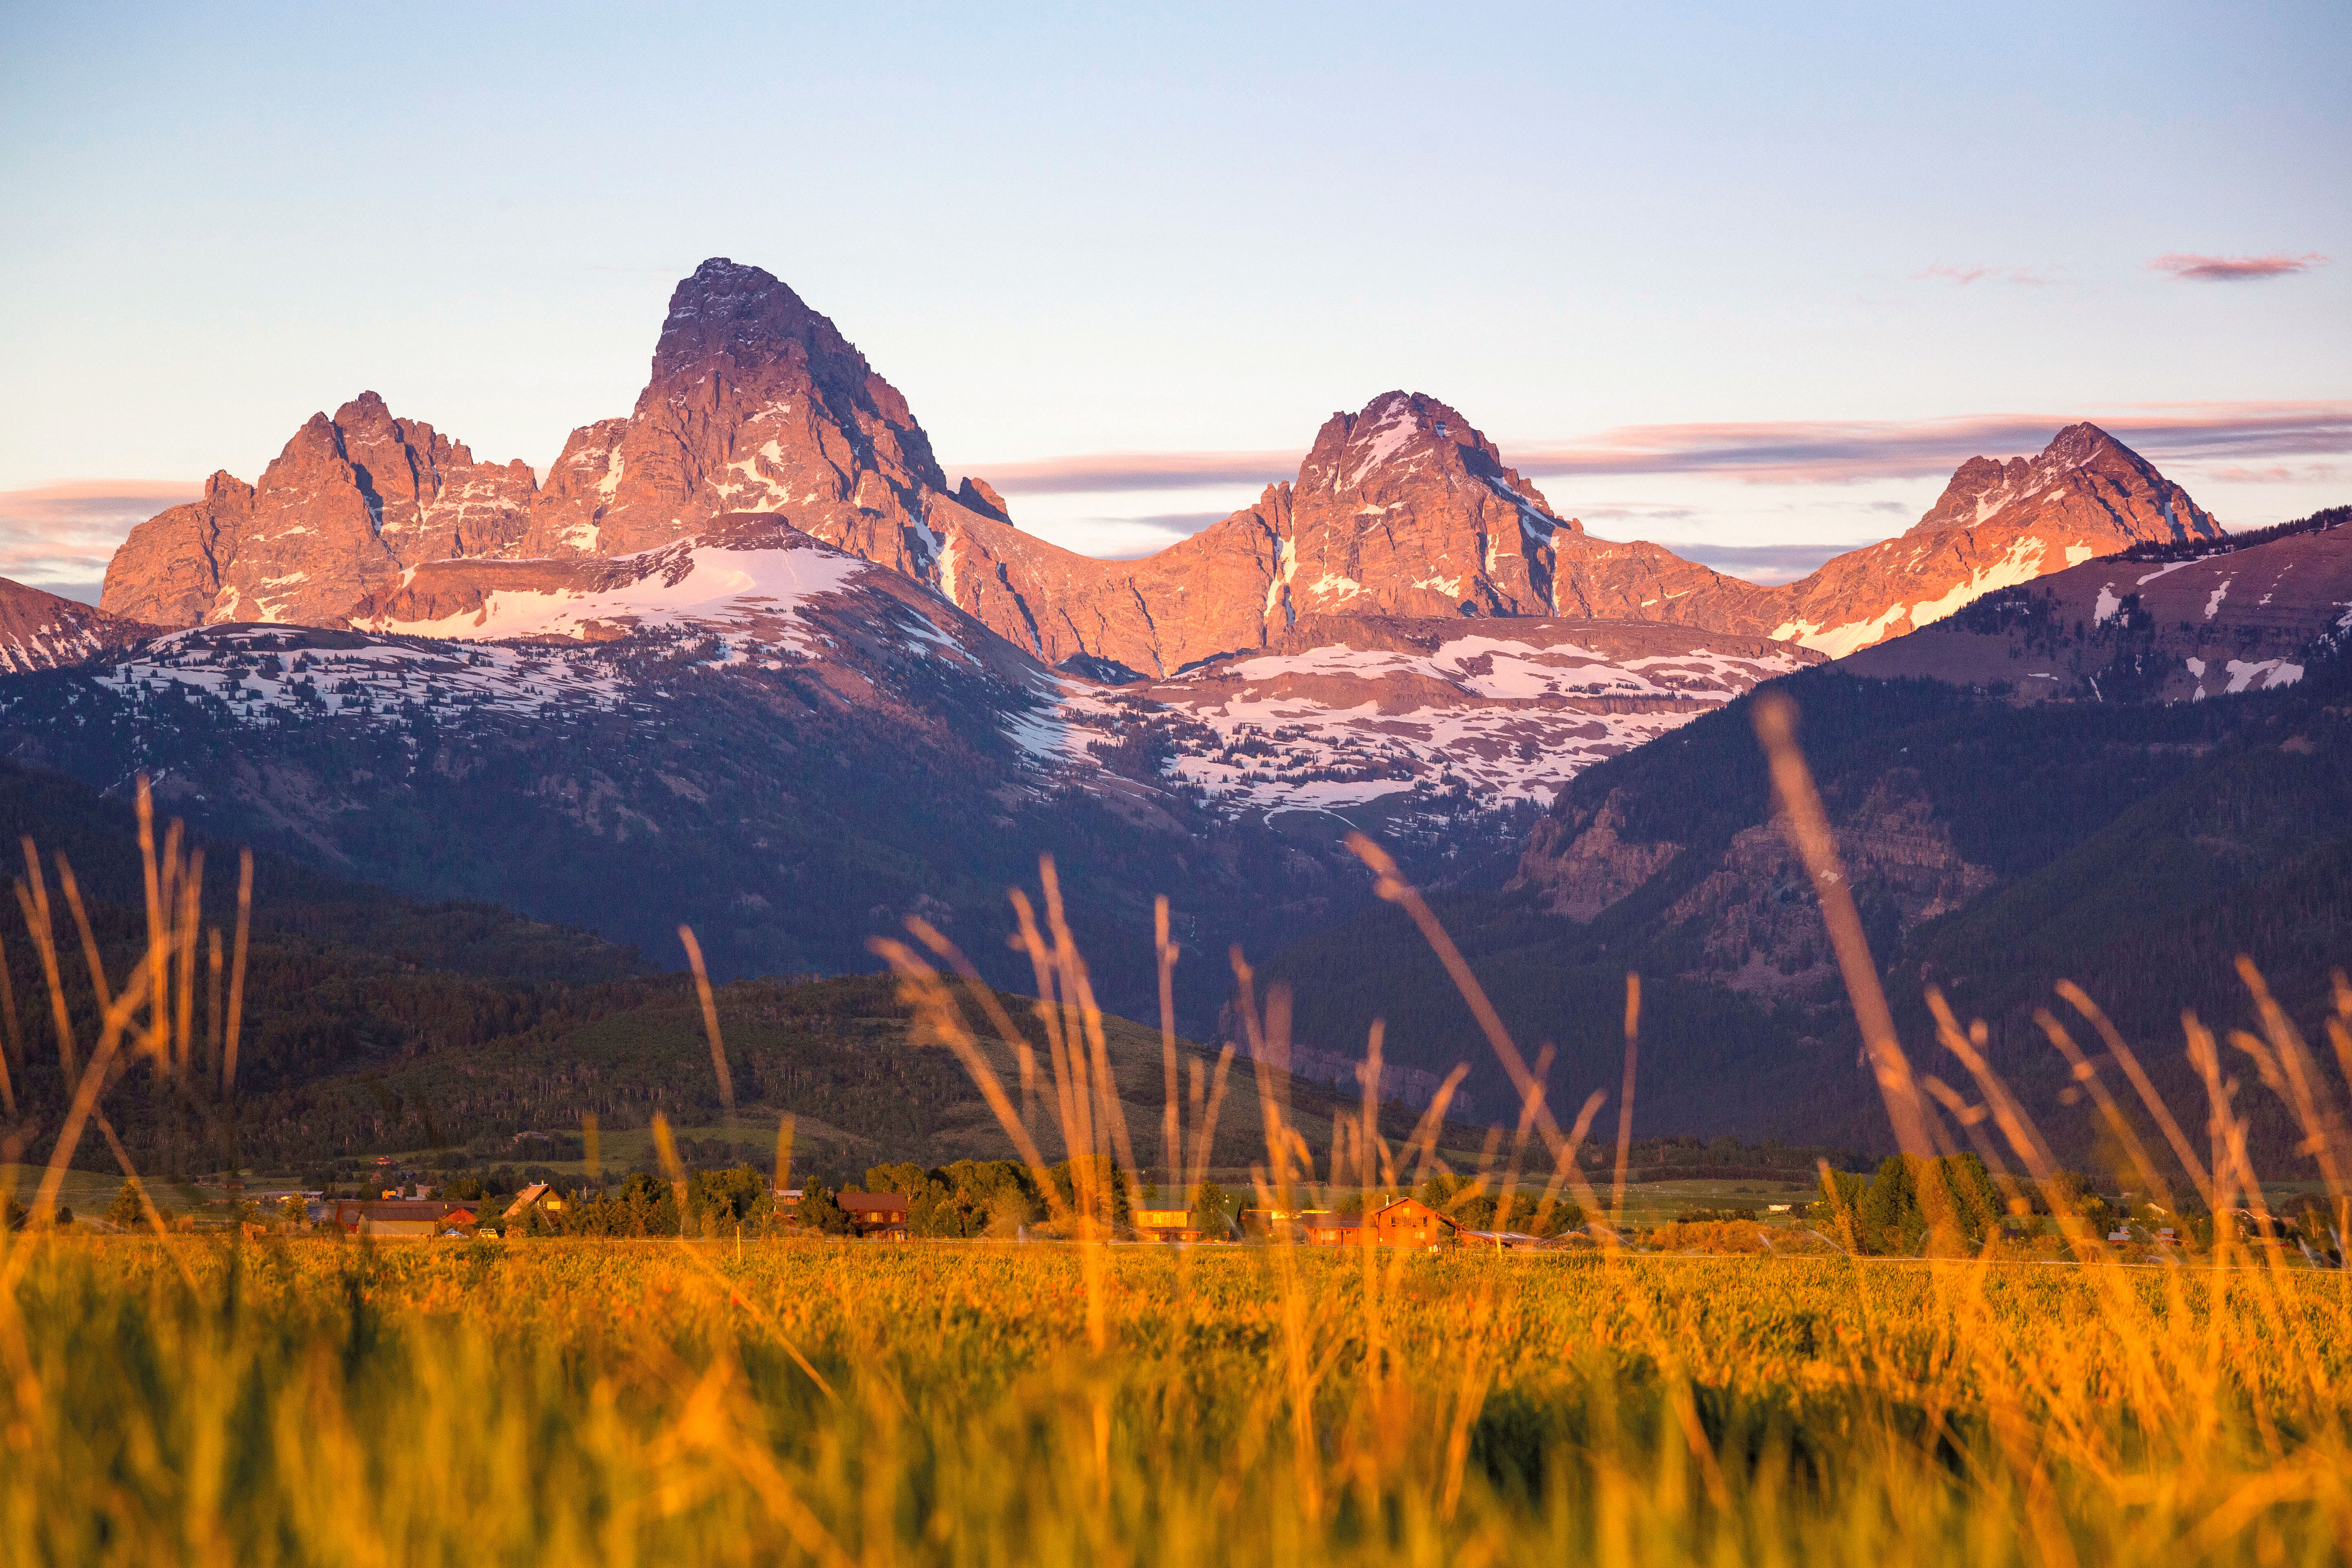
<point x="566" y="1402"/>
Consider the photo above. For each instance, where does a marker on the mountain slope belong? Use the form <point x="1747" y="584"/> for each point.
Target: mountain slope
<point x="43" y="631"/>
<point x="2226" y="619"/>
<point x="1993" y="850"/>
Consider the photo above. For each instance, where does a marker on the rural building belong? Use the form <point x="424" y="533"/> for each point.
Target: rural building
<point x="397" y="1217"/>
<point x="882" y="1215"/>
<point x="1166" y="1225"/>
<point x="1408" y="1222"/>
<point x="538" y="1195"/>
<point x="1320" y="1227"/>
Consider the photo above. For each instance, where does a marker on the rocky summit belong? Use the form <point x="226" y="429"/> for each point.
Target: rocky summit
<point x="351" y="504"/>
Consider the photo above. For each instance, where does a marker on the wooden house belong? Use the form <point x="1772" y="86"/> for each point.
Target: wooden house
<point x="882" y="1215"/>
<point x="538" y="1195"/>
<point x="1321" y="1227"/>
<point x="1409" y="1222"/>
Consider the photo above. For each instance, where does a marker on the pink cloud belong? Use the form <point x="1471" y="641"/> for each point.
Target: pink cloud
<point x="1137" y="471"/>
<point x="2233" y="269"/>
<point x="2276" y="474"/>
<point x="1839" y="451"/>
<point x="1791" y="451"/>
<point x="1964" y="276"/>
<point x="66" y="532"/>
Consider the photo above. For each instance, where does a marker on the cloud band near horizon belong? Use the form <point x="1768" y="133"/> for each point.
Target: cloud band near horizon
<point x="1763" y="452"/>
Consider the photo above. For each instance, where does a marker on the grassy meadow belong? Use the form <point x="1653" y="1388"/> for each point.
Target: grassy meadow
<point x="561" y="1402"/>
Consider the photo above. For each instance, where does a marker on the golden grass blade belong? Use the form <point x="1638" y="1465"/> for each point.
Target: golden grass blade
<point x="1431" y="1125"/>
<point x="92" y="1083"/>
<point x="709" y="1019"/>
<point x="2087" y="1075"/>
<point x="592" y="1161"/>
<point x="1172" y="1139"/>
<point x="237" y="971"/>
<point x="784" y="1155"/>
<point x="944" y="1019"/>
<point x="1205" y="1123"/>
<point x="90" y="953"/>
<point x="213" y="1019"/>
<point x="146" y="1204"/>
<point x="2141" y="1085"/>
<point x="2307" y="1092"/>
<point x="191" y="884"/>
<point x="1807" y="827"/>
<point x="665" y="1150"/>
<point x="33" y="897"/>
<point x="1395" y="889"/>
<point x="1565" y="1168"/>
<point x="159" y="956"/>
<point x="1625" y="1099"/>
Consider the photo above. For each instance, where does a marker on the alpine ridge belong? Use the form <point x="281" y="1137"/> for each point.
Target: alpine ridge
<point x="756" y="402"/>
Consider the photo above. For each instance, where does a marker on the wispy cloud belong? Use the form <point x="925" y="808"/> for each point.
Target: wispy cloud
<point x="1840" y="451"/>
<point x="1964" y="276"/>
<point x="2276" y="474"/>
<point x="1794" y="451"/>
<point x="61" y="536"/>
<point x="2193" y="269"/>
<point x="1759" y="563"/>
<point x="1107" y="471"/>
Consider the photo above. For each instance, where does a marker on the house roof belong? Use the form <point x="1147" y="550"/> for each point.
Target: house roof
<point x="348" y="1210"/>
<point x="527" y="1197"/>
<point x="874" y="1203"/>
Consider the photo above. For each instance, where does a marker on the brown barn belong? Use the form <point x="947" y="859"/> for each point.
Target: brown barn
<point x="398" y="1217"/>
<point x="882" y="1215"/>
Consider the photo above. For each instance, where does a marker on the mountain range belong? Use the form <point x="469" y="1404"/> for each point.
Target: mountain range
<point x="756" y="402"/>
<point x="745" y="660"/>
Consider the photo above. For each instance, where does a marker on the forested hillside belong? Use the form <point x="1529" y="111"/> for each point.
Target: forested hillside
<point x="2135" y="849"/>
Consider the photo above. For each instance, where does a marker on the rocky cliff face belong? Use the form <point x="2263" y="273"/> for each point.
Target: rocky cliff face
<point x="349" y="505"/>
<point x="43" y="631"/>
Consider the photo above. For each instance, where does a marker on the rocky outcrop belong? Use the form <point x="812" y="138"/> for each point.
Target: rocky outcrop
<point x="1758" y="922"/>
<point x="1578" y="859"/>
<point x="42" y="631"/>
<point x="349" y="505"/>
<point x="1996" y="525"/>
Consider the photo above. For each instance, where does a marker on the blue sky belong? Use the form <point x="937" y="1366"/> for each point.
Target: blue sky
<point x="1603" y="233"/>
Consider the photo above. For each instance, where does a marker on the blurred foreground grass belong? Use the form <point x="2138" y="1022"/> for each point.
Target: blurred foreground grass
<point x="554" y="1403"/>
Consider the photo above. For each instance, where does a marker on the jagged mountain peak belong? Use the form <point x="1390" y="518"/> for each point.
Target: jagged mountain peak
<point x="2081" y="457"/>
